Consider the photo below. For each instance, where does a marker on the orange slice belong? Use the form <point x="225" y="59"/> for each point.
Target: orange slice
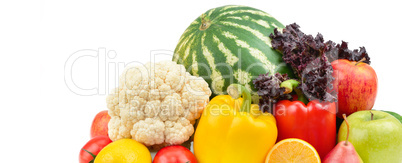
<point x="293" y="150"/>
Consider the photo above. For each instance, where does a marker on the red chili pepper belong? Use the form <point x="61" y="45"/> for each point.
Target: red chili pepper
<point x="314" y="123"/>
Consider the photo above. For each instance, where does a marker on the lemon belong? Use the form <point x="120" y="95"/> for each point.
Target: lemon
<point x="124" y="151"/>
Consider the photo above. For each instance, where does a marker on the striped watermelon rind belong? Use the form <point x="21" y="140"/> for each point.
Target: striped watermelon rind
<point x="230" y="44"/>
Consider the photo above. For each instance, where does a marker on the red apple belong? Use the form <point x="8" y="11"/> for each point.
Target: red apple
<point x="99" y="124"/>
<point x="356" y="83"/>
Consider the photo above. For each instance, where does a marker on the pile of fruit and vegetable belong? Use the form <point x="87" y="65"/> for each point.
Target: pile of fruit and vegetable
<point x="243" y="88"/>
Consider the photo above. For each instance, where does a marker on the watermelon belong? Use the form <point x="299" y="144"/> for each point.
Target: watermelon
<point x="230" y="44"/>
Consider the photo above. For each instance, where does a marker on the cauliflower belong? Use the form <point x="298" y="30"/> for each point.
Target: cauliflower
<point x="156" y="104"/>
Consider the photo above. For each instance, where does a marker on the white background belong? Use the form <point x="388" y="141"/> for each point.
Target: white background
<point x="43" y="120"/>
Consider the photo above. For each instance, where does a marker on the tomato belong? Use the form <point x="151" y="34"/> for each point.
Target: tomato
<point x="89" y="151"/>
<point x="174" y="154"/>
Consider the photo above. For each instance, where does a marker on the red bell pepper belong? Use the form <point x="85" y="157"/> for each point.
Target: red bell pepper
<point x="314" y="123"/>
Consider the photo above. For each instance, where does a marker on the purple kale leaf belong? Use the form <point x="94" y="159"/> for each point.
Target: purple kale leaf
<point x="317" y="80"/>
<point x="307" y="55"/>
<point x="269" y="90"/>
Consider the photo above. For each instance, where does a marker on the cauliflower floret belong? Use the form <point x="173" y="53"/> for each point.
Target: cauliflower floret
<point x="177" y="131"/>
<point x="149" y="131"/>
<point x="156" y="104"/>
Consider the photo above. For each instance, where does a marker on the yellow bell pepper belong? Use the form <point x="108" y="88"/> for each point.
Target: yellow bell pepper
<point x="234" y="131"/>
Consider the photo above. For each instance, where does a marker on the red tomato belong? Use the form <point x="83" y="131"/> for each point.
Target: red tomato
<point x="174" y="154"/>
<point x="93" y="147"/>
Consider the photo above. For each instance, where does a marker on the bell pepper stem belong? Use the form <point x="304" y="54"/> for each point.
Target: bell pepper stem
<point x="291" y="85"/>
<point x="237" y="90"/>
<point x="300" y="96"/>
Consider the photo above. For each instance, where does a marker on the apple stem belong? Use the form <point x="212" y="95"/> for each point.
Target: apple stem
<point x="372" y="115"/>
<point x="360" y="61"/>
<point x="347" y="124"/>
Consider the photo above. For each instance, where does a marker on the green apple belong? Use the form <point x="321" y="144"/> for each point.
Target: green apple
<point x="376" y="136"/>
<point x="396" y="115"/>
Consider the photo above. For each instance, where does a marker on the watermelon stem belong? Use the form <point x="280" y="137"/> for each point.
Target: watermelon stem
<point x="205" y="22"/>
